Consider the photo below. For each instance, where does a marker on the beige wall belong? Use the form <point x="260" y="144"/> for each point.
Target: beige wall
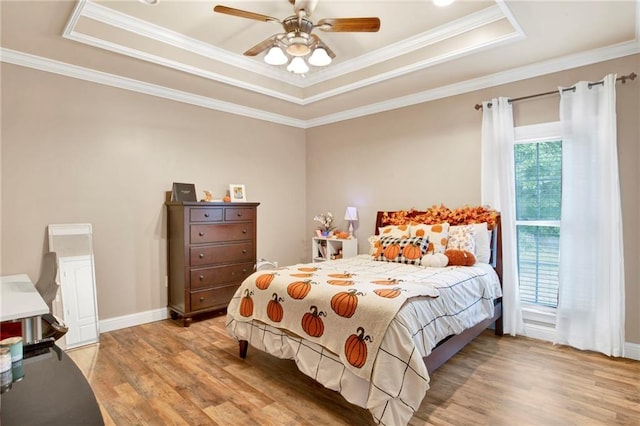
<point x="74" y="151"/>
<point x="429" y="154"/>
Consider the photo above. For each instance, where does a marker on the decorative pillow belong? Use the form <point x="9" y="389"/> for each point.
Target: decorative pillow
<point x="437" y="234"/>
<point x="483" y="242"/>
<point x="402" y="250"/>
<point x="437" y="260"/>
<point x="396" y="231"/>
<point x="462" y="237"/>
<point x="460" y="257"/>
<point x="375" y="247"/>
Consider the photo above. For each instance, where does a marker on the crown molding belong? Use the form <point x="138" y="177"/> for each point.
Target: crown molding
<point x="87" y="74"/>
<point x="108" y="16"/>
<point x="451" y="29"/>
<point x="535" y="70"/>
<point x="517" y="74"/>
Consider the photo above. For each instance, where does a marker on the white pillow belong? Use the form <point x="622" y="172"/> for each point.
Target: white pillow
<point x="483" y="242"/>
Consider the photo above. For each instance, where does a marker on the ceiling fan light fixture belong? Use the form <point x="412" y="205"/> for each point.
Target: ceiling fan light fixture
<point x="276" y="56"/>
<point x="319" y="57"/>
<point x="298" y="66"/>
<point x="298" y="49"/>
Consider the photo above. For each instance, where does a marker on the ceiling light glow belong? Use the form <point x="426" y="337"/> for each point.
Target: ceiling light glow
<point x="297" y="66"/>
<point x="319" y="57"/>
<point x="276" y="56"/>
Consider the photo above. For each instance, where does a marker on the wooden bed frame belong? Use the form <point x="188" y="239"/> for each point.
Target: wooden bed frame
<point x="452" y="344"/>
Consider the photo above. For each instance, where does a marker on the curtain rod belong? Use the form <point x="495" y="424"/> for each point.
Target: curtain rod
<point x="623" y="79"/>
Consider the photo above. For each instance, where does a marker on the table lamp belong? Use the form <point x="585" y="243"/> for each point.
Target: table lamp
<point x="351" y="214"/>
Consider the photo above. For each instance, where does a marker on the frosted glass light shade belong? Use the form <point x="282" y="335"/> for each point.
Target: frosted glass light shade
<point x="298" y="49"/>
<point x="275" y="56"/>
<point x="297" y="66"/>
<point x="319" y="57"/>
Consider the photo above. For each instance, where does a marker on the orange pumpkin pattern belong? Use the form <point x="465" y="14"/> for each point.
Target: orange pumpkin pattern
<point x="407" y="250"/>
<point x="274" y="308"/>
<point x="312" y="323"/>
<point x="355" y="348"/>
<point x="246" y="304"/>
<point x="388" y="281"/>
<point x="345" y="303"/>
<point x="299" y="289"/>
<point x="389" y="293"/>
<point x="306" y="275"/>
<point x="307" y="269"/>
<point x="345" y="275"/>
<point x="264" y="281"/>
<point x="344" y="283"/>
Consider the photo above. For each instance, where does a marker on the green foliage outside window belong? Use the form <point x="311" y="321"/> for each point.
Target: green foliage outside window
<point x="538" y="170"/>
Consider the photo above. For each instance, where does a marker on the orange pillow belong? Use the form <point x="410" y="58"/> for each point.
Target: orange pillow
<point x="460" y="257"/>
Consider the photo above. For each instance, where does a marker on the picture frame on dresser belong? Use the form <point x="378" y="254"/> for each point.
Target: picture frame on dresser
<point x="183" y="192"/>
<point x="238" y="193"/>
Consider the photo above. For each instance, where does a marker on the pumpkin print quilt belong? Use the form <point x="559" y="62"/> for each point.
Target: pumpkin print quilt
<point x="346" y="312"/>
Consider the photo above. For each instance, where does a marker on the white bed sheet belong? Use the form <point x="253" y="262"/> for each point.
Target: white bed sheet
<point x="399" y="379"/>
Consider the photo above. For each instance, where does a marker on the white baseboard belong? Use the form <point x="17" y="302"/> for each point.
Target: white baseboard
<point x="632" y="350"/>
<point x="540" y="332"/>
<point x="131" y="320"/>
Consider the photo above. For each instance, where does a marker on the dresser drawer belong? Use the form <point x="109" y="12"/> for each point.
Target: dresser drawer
<point x="221" y="233"/>
<point x="215" y="297"/>
<point x="209" y="277"/>
<point x="206" y="214"/>
<point x="232" y="214"/>
<point x="240" y="252"/>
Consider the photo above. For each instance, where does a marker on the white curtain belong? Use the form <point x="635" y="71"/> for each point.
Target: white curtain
<point x="498" y="191"/>
<point x="590" y="312"/>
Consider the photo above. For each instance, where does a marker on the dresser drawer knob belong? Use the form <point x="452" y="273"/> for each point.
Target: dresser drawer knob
<point x="201" y="255"/>
<point x="239" y="214"/>
<point x="201" y="234"/>
<point x="244" y="231"/>
<point x="202" y="299"/>
<point x="244" y="269"/>
<point x="244" y="251"/>
<point x="206" y="215"/>
<point x="201" y="277"/>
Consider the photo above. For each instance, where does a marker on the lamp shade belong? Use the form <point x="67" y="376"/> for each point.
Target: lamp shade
<point x="319" y="57"/>
<point x="297" y="66"/>
<point x="351" y="213"/>
<point x="276" y="56"/>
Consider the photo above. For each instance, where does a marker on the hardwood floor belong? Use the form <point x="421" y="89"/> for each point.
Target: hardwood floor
<point x="161" y="373"/>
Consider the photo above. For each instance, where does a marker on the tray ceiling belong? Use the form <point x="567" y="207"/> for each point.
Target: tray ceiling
<point x="185" y="51"/>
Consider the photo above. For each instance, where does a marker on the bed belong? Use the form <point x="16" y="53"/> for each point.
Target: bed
<point x="374" y="330"/>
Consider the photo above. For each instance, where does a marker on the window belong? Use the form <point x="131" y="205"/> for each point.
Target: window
<point x="538" y="183"/>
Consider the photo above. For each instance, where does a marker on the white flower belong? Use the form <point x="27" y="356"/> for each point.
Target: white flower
<point x="325" y="221"/>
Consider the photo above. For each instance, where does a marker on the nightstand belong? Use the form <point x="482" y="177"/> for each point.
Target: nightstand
<point x="324" y="248"/>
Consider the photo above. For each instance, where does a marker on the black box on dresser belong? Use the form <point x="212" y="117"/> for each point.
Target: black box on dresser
<point x="211" y="250"/>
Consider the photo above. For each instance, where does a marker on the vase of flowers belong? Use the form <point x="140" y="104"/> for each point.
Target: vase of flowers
<point x="326" y="223"/>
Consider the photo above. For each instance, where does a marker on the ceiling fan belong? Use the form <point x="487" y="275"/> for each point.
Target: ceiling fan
<point x="297" y="39"/>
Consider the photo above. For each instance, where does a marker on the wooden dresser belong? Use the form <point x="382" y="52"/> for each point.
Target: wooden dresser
<point x="211" y="250"/>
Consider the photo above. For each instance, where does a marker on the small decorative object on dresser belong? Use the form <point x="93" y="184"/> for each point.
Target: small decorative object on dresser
<point x="211" y="250"/>
<point x="237" y="192"/>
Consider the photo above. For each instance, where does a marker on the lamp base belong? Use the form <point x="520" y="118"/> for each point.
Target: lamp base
<point x="350" y="229"/>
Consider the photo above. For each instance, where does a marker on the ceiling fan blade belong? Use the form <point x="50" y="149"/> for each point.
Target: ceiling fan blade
<point x="349" y="24"/>
<point x="260" y="47"/>
<point x="244" y="14"/>
<point x="322" y="44"/>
